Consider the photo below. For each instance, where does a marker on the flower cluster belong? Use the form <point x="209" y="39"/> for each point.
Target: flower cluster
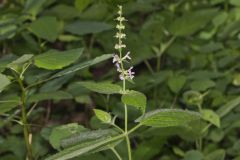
<point x="118" y="59"/>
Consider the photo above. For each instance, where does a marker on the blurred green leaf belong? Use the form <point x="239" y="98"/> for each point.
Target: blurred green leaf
<point x="82" y="4"/>
<point x="57" y="59"/>
<point x="135" y="99"/>
<point x="4" y="82"/>
<point x="216" y="155"/>
<point x="193" y="155"/>
<point x="101" y="87"/>
<point x="202" y="85"/>
<point x="176" y="83"/>
<point x="87" y="27"/>
<point x="190" y="22"/>
<point x="8" y="102"/>
<point x="46" y="28"/>
<point x="57" y="95"/>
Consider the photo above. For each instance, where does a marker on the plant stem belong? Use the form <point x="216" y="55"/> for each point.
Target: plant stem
<point x="116" y="153"/>
<point x="25" y="121"/>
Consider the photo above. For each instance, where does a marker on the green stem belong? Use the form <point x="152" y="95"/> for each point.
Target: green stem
<point x="26" y="130"/>
<point x="116" y="153"/>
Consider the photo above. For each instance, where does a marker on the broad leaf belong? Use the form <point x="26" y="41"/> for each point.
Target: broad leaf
<point x="8" y="102"/>
<point x="211" y="117"/>
<point x="87" y="136"/>
<point x="82" y="65"/>
<point x="56" y="59"/>
<point x="103" y="116"/>
<point x="4" y="82"/>
<point x="135" y="99"/>
<point x="82" y="4"/>
<point x="193" y="155"/>
<point x="33" y="7"/>
<point x="86" y="27"/>
<point x="168" y="118"/>
<point x="57" y="95"/>
<point x="46" y="28"/>
<point x="225" y="109"/>
<point x="191" y="22"/>
<point x="101" y="87"/>
<point x="216" y="155"/>
<point x="176" y="83"/>
<point x="83" y="148"/>
<point x="64" y="131"/>
<point x="202" y="85"/>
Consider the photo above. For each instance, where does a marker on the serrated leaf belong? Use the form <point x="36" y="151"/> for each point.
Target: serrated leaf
<point x="86" y="27"/>
<point x="54" y="59"/>
<point x="102" y="115"/>
<point x="82" y="65"/>
<point x="168" y="118"/>
<point x="211" y="117"/>
<point x="101" y="87"/>
<point x="64" y="131"/>
<point x="46" y="28"/>
<point x="81" y="149"/>
<point x="87" y="136"/>
<point x="4" y="82"/>
<point x="176" y="83"/>
<point x="135" y="99"/>
<point x="57" y="95"/>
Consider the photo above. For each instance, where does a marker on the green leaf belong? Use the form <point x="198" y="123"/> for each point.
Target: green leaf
<point x="225" y="109"/>
<point x="216" y="155"/>
<point x="168" y="118"/>
<point x="193" y="155"/>
<point x="4" y="82"/>
<point x="21" y="60"/>
<point x="211" y="117"/>
<point x="46" y="28"/>
<point x="82" y="65"/>
<point x="103" y="116"/>
<point x="64" y="131"/>
<point x="202" y="85"/>
<point x="235" y="2"/>
<point x="236" y="79"/>
<point x="176" y="83"/>
<point x="81" y="149"/>
<point x="57" y="95"/>
<point x="33" y="7"/>
<point x="101" y="87"/>
<point x="8" y="102"/>
<point x="57" y="59"/>
<point x="87" y="27"/>
<point x="82" y="4"/>
<point x="191" y="22"/>
<point x="8" y="28"/>
<point x="135" y="99"/>
<point x="87" y="136"/>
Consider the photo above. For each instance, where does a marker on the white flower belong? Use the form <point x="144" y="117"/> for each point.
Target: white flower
<point x="120" y="35"/>
<point x="116" y="58"/>
<point x="118" y="67"/>
<point x="127" y="56"/>
<point x="120" y="27"/>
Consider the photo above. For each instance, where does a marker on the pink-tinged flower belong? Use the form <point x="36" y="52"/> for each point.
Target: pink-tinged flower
<point x="118" y="67"/>
<point x="116" y="58"/>
<point x="130" y="73"/>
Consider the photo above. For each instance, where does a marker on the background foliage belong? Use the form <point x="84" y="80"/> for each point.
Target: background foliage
<point x="185" y="53"/>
